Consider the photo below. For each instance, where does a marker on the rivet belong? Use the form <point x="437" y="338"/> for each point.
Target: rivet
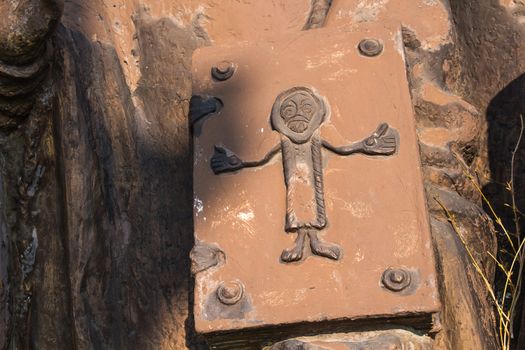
<point x="229" y="293"/>
<point x="370" y="47"/>
<point x="396" y="280"/>
<point x="223" y="70"/>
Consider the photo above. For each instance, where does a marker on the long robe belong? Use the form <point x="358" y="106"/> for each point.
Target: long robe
<point x="305" y="207"/>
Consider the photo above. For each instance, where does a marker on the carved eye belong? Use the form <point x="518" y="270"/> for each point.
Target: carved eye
<point x="288" y="110"/>
<point x="307" y="108"/>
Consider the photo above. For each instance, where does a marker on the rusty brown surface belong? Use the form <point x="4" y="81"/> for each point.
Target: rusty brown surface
<point x="374" y="205"/>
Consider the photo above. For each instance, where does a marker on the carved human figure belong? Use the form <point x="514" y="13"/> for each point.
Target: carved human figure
<point x="297" y="115"/>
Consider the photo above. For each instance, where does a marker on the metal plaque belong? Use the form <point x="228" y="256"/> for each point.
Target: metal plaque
<point x="309" y="205"/>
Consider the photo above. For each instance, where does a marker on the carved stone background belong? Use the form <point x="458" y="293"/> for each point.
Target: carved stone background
<point x="102" y="170"/>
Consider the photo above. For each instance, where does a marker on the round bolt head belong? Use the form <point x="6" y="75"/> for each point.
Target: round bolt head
<point x="370" y="47"/>
<point x="396" y="280"/>
<point x="223" y="70"/>
<point x="397" y="277"/>
<point x="230" y="293"/>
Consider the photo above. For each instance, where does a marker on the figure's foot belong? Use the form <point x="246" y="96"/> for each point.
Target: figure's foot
<point x="295" y="253"/>
<point x="291" y="255"/>
<point x="324" y="249"/>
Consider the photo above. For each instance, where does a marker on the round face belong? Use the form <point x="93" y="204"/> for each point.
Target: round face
<point x="297" y="111"/>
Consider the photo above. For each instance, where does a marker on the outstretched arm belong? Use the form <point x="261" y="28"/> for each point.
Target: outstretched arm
<point x="224" y="160"/>
<point x="381" y="142"/>
<point x="344" y="150"/>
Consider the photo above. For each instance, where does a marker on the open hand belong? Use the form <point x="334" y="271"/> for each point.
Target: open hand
<point x="381" y="142"/>
<point x="224" y="160"/>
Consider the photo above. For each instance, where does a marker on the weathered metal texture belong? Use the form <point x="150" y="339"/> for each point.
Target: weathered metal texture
<point x="375" y="206"/>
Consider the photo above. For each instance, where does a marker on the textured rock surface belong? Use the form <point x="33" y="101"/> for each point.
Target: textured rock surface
<point x="376" y="340"/>
<point x="96" y="159"/>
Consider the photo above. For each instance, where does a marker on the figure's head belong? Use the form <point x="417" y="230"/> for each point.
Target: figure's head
<point x="298" y="109"/>
<point x="297" y="113"/>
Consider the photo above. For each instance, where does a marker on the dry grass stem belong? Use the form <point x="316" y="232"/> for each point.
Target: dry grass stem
<point x="511" y="290"/>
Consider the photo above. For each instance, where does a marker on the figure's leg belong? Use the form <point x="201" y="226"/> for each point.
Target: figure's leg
<point x="295" y="253"/>
<point x="321" y="248"/>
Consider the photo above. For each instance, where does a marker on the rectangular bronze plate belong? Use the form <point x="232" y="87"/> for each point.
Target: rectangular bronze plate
<point x="367" y="198"/>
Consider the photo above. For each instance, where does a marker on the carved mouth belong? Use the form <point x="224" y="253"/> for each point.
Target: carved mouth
<point x="298" y="124"/>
